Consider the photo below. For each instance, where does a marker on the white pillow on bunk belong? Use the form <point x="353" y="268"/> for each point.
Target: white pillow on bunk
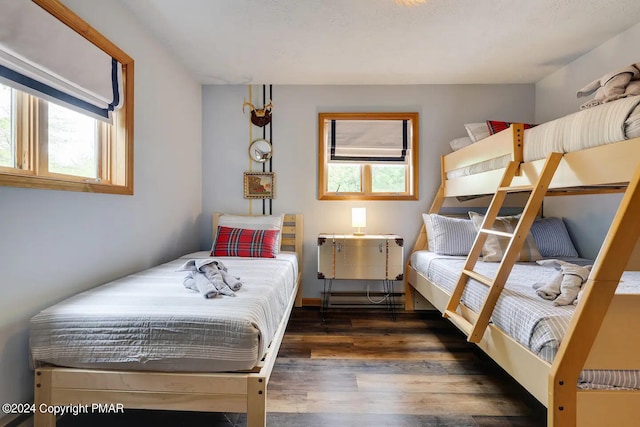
<point x="477" y="131"/>
<point x="449" y="236"/>
<point x="257" y="222"/>
<point x="552" y="238"/>
<point x="459" y="143"/>
<point x="495" y="246"/>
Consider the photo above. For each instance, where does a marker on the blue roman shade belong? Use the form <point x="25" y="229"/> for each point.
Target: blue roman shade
<point x="42" y="56"/>
<point x="369" y="140"/>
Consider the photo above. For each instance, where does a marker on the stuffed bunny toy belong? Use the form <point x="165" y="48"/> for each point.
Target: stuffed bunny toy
<point x="618" y="84"/>
<point x="563" y="288"/>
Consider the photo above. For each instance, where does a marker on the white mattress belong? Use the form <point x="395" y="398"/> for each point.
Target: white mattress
<point x="150" y="321"/>
<point x="600" y="125"/>
<point x="534" y="322"/>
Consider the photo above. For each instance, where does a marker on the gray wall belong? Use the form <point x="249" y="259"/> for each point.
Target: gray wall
<point x="587" y="217"/>
<point x="55" y="244"/>
<point x="443" y="111"/>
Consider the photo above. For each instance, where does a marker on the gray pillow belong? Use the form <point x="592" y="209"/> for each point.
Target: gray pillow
<point x="449" y="236"/>
<point x="552" y="238"/>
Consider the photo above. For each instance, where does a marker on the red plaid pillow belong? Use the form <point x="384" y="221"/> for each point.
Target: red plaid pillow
<point x="496" y="126"/>
<point x="243" y="242"/>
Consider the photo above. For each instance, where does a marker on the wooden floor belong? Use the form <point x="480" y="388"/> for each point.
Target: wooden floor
<point x="360" y="368"/>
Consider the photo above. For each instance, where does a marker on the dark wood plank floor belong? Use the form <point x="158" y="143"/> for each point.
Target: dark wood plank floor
<point x="360" y="368"/>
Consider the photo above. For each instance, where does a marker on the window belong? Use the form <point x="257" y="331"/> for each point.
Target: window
<point x="51" y="140"/>
<point x="368" y="156"/>
<point x="7" y="127"/>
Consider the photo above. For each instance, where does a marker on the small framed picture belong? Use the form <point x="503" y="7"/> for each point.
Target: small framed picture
<point x="259" y="185"/>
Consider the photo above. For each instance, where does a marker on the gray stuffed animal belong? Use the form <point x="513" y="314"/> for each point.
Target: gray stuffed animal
<point x="209" y="277"/>
<point x="615" y="85"/>
<point x="564" y="287"/>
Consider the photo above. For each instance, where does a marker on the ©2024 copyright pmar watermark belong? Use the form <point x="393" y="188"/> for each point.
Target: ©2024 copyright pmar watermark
<point x="59" y="410"/>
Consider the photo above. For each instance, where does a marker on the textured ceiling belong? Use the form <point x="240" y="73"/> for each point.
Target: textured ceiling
<point x="381" y="41"/>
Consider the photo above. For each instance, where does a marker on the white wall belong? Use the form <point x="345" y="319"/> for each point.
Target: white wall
<point x="55" y="244"/>
<point x="443" y="111"/>
<point x="588" y="217"/>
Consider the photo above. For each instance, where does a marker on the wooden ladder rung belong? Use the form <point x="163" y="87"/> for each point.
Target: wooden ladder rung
<point x="479" y="277"/>
<point x="516" y="188"/>
<point x="463" y="324"/>
<point x="496" y="232"/>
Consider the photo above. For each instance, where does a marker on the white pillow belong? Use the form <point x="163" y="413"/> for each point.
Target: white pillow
<point x="477" y="131"/>
<point x="258" y="222"/>
<point x="459" y="143"/>
<point x="449" y="236"/>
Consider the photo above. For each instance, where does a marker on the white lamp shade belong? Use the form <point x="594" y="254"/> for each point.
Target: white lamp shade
<point x="358" y="217"/>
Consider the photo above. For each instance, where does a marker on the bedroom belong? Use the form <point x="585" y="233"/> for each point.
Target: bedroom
<point x="188" y="138"/>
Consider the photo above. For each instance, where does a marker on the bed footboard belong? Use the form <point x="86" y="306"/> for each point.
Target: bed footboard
<point x="87" y="391"/>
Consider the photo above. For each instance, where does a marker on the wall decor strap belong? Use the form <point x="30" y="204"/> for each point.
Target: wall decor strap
<point x="250" y="140"/>
<point x="271" y="140"/>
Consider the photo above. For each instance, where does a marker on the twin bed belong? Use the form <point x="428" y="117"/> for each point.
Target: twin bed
<point x="147" y="342"/>
<point x="581" y="361"/>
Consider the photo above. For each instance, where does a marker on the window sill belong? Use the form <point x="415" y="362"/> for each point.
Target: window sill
<point x="46" y="183"/>
<point x="367" y="197"/>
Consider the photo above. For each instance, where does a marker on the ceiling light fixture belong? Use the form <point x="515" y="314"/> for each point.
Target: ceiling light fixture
<point x="410" y="3"/>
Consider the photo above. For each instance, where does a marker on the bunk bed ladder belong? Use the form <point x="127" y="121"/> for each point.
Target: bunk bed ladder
<point x="475" y="331"/>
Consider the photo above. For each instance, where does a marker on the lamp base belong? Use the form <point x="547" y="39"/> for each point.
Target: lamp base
<point x="358" y="233"/>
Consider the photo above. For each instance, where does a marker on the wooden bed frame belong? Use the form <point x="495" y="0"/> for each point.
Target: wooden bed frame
<point x="603" y="332"/>
<point x="244" y="391"/>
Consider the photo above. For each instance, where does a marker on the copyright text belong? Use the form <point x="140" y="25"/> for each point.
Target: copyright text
<point x="59" y="410"/>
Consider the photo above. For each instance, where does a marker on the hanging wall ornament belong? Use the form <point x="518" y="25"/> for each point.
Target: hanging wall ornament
<point x="259" y="117"/>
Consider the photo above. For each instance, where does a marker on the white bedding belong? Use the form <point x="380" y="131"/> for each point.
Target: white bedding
<point x="150" y="321"/>
<point x="534" y="322"/>
<point x="600" y="125"/>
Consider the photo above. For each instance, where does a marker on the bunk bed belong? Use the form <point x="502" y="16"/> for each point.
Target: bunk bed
<point x="181" y="351"/>
<point x="601" y="333"/>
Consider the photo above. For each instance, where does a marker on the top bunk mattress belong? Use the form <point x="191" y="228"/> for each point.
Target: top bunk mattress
<point x="150" y="321"/>
<point x="603" y="124"/>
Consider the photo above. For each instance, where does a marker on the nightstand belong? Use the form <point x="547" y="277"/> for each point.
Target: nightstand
<point x="360" y="257"/>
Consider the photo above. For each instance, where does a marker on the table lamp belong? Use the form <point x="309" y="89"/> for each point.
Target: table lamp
<point x="358" y="219"/>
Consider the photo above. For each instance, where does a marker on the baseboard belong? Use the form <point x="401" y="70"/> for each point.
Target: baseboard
<point x="311" y="302"/>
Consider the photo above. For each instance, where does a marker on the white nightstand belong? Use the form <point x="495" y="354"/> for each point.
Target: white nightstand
<point x="366" y="257"/>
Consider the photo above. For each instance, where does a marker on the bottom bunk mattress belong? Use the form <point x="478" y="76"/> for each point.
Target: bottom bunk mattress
<point x="150" y="321"/>
<point x="532" y="321"/>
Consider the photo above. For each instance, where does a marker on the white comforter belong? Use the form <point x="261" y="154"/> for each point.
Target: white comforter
<point x="588" y="128"/>
<point x="150" y="321"/>
<point x="604" y="124"/>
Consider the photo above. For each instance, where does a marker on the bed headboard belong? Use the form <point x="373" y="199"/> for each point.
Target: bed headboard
<point x="292" y="240"/>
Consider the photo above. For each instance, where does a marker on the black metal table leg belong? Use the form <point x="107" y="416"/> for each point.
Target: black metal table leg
<point x="324" y="304"/>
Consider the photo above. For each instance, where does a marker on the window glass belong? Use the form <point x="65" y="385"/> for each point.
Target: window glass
<point x="344" y="178"/>
<point x="7" y="127"/>
<point x="72" y="142"/>
<point x="388" y="178"/>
